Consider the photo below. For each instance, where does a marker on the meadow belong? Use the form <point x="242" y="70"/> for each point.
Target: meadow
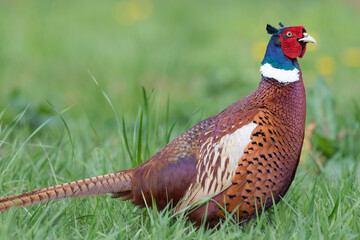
<point x="90" y="87"/>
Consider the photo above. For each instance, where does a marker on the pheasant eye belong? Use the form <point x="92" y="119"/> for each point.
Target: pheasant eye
<point x="289" y="34"/>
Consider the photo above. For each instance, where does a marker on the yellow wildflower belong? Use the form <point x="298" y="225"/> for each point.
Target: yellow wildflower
<point x="325" y="65"/>
<point x="258" y="50"/>
<point x="128" y="12"/>
<point x="351" y="57"/>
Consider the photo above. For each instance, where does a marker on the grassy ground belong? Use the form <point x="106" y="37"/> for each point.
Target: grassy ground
<point x="160" y="67"/>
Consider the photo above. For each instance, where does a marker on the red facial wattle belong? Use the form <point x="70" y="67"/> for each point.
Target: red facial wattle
<point x="303" y="51"/>
<point x="290" y="44"/>
<point x="291" y="47"/>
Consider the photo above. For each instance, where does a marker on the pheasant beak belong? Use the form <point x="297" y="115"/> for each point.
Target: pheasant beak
<point x="307" y="38"/>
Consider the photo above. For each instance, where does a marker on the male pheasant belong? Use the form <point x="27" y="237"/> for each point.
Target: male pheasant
<point x="241" y="159"/>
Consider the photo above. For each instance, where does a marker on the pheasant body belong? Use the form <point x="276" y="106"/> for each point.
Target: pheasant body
<point x="241" y="158"/>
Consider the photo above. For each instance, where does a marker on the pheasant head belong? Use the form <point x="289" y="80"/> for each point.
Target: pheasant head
<point x="285" y="46"/>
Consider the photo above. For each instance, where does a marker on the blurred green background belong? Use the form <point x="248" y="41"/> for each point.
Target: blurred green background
<point x="202" y="55"/>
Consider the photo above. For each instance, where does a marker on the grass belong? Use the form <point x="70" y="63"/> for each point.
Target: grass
<point x="89" y="88"/>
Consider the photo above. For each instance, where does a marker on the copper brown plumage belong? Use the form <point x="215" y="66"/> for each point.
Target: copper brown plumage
<point x="242" y="158"/>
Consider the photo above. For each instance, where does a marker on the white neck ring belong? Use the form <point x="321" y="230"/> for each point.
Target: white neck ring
<point x="281" y="75"/>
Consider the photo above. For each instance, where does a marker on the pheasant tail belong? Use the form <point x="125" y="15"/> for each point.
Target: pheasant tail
<point x="118" y="183"/>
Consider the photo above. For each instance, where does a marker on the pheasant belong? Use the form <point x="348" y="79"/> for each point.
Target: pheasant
<point x="239" y="161"/>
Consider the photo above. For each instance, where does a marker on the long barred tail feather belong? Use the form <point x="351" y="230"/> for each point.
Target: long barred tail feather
<point x="116" y="183"/>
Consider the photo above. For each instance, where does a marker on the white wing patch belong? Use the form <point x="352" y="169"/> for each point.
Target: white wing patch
<point x="217" y="165"/>
<point x="283" y="76"/>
